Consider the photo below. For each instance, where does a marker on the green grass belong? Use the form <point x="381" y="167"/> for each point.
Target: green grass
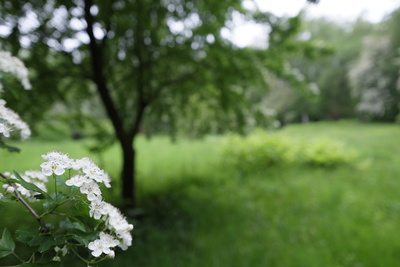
<point x="198" y="213"/>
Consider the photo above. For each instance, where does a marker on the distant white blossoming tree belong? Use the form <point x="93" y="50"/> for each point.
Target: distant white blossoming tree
<point x="82" y="224"/>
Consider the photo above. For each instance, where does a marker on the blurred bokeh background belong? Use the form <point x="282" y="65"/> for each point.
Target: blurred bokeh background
<point x="237" y="133"/>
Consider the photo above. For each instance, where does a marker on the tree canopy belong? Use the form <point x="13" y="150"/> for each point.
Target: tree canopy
<point x="154" y="65"/>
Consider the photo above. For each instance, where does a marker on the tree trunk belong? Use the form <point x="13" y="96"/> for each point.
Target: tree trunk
<point x="124" y="137"/>
<point x="128" y="173"/>
<point x="305" y="118"/>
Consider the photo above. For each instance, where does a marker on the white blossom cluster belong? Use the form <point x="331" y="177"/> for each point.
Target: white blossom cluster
<point x="87" y="180"/>
<point x="15" y="67"/>
<point x="116" y="224"/>
<point x="34" y="177"/>
<point x="88" y="172"/>
<point x="9" y="120"/>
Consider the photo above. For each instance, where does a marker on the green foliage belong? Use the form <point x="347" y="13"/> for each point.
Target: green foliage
<point x="257" y="151"/>
<point x="56" y="232"/>
<point x="261" y="150"/>
<point x="323" y="152"/>
<point x="146" y="60"/>
<point x="7" y="245"/>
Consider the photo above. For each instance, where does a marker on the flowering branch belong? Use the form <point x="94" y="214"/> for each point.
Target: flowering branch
<point x="43" y="227"/>
<point x="102" y="229"/>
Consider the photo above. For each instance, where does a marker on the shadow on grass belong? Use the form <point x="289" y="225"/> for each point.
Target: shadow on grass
<point x="177" y="223"/>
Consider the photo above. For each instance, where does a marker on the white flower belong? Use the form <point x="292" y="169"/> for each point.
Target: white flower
<point x="110" y="210"/>
<point x="111" y="254"/>
<point x="56" y="163"/>
<point x="38" y="175"/>
<point x="78" y="180"/>
<point x="97" y="209"/>
<point x="94" y="172"/>
<point x="9" y="120"/>
<point x="125" y="238"/>
<point x="115" y="222"/>
<point x="9" y="189"/>
<point x="118" y="222"/>
<point x="80" y="163"/>
<point x="15" y="67"/>
<point x="103" y="245"/>
<point x="5" y="129"/>
<point x="48" y="168"/>
<point x="25" y="131"/>
<point x="98" y="247"/>
<point x="91" y="189"/>
<point x="109" y="239"/>
<point x="106" y="180"/>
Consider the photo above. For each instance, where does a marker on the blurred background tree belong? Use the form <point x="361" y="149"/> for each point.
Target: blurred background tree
<point x="376" y="73"/>
<point x="154" y="65"/>
<point x="331" y="96"/>
<point x="358" y="77"/>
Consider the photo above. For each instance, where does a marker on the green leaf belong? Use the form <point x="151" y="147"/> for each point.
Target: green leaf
<point x="84" y="238"/>
<point x="45" y="242"/>
<point x="49" y="204"/>
<point x="4" y="251"/>
<point x="5" y="199"/>
<point x="29" y="186"/>
<point x="53" y="200"/>
<point x="25" y="236"/>
<point x="60" y="180"/>
<point x="37" y="240"/>
<point x="9" y="148"/>
<point x="66" y="223"/>
<point x="7" y="244"/>
<point x="59" y="197"/>
<point x="7" y="240"/>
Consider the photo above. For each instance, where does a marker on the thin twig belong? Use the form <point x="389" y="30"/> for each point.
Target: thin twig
<point x="43" y="228"/>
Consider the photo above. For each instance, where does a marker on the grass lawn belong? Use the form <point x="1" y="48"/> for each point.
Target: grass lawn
<point x="198" y="213"/>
